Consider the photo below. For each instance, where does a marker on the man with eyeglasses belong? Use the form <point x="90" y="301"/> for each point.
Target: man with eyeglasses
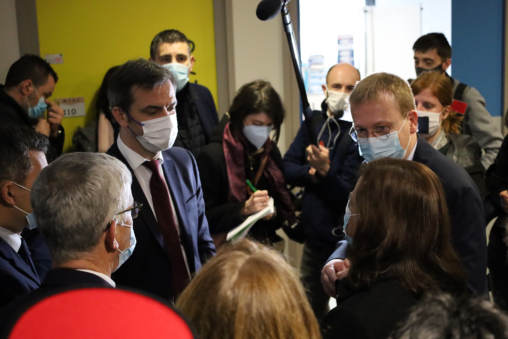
<point x="24" y="259"/>
<point x="385" y="125"/>
<point x="83" y="206"/>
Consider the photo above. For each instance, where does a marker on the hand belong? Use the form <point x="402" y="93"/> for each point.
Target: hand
<point x="257" y="202"/>
<point x="312" y="174"/>
<point x="43" y="127"/>
<point x="504" y="200"/>
<point x="55" y="116"/>
<point x="269" y="216"/>
<point x="333" y="270"/>
<point x="319" y="158"/>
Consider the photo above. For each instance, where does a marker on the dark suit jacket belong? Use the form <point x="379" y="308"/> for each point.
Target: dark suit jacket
<point x="205" y="106"/>
<point x="369" y="314"/>
<point x="149" y="268"/>
<point x="16" y="277"/>
<point x="11" y="113"/>
<point x="467" y="218"/>
<point x="56" y="281"/>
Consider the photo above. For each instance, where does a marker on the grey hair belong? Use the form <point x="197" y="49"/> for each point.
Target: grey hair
<point x="440" y="315"/>
<point x="74" y="198"/>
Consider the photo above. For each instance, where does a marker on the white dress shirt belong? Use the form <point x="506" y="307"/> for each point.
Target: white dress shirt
<point x="13" y="239"/>
<point x="143" y="174"/>
<point x="100" y="275"/>
<point x="412" y="154"/>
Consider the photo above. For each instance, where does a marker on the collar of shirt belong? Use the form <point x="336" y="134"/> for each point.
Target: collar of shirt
<point x="13" y="239"/>
<point x="412" y="154"/>
<point x="101" y="275"/>
<point x="134" y="159"/>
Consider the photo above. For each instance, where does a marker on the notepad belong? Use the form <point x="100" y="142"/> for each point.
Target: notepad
<point x="241" y="231"/>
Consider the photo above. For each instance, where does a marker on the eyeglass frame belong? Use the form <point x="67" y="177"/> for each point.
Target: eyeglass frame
<point x="354" y="133"/>
<point x="136" y="205"/>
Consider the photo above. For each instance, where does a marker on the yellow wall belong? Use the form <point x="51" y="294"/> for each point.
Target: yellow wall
<point x="94" y="35"/>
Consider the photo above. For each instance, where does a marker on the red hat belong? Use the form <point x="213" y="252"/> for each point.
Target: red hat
<point x="98" y="313"/>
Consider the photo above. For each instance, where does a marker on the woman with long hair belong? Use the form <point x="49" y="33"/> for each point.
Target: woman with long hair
<point x="248" y="291"/>
<point x="398" y="232"/>
<point x="242" y="149"/>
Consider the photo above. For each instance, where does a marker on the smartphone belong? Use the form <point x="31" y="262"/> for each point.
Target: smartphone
<point x="423" y="125"/>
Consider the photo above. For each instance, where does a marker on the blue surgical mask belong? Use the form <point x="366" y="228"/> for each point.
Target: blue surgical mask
<point x="125" y="254"/>
<point x="347" y="215"/>
<point x="180" y="72"/>
<point x="39" y="109"/>
<point x="257" y="135"/>
<point x="30" y="217"/>
<point x="374" y="148"/>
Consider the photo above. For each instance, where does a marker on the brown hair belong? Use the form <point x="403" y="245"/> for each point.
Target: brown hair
<point x="248" y="291"/>
<point x="403" y="229"/>
<point x="442" y="88"/>
<point x="384" y="83"/>
<point x="257" y="97"/>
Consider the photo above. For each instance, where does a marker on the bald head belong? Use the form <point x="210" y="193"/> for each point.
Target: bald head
<point x="342" y="78"/>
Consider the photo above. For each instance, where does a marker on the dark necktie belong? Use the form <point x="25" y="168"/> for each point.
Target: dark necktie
<point x="167" y="226"/>
<point x="24" y="254"/>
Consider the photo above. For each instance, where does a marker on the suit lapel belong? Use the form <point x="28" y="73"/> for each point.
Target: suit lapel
<point x="137" y="192"/>
<point x="8" y="253"/>
<point x="175" y="188"/>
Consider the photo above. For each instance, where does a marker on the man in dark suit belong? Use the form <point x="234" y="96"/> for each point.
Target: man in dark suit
<point x="24" y="100"/>
<point x="385" y="124"/>
<point x="22" y="157"/>
<point x="84" y="209"/>
<point x="172" y="230"/>
<point x="196" y="112"/>
<point x="328" y="175"/>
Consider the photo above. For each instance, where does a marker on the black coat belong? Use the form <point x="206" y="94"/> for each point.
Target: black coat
<point x="149" y="267"/>
<point x="11" y="113"/>
<point x="370" y="313"/>
<point x="467" y="218"/>
<point x="56" y="281"/>
<point x="223" y="215"/>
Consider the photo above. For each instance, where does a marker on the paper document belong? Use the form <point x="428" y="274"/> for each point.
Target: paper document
<point x="241" y="231"/>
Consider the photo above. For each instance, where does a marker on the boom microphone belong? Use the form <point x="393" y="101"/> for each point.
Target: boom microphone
<point x="268" y="9"/>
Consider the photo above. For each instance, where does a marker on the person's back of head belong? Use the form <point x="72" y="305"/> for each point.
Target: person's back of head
<point x="29" y="67"/>
<point x="402" y="229"/>
<point x="248" y="291"/>
<point x="22" y="157"/>
<point x="441" y="315"/>
<point x="73" y="200"/>
<point x="435" y="41"/>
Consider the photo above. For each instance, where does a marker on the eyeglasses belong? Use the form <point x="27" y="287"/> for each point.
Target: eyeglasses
<point x="134" y="209"/>
<point x="361" y="135"/>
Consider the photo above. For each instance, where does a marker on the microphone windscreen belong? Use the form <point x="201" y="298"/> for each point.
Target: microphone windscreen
<point x="268" y="9"/>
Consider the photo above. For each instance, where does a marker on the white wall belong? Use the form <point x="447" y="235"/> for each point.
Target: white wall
<point x="9" y="43"/>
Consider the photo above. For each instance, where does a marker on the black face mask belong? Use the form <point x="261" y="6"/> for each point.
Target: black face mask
<point x="438" y="68"/>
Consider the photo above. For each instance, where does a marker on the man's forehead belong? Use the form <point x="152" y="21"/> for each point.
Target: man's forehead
<point x="430" y="53"/>
<point x="164" y="91"/>
<point x="377" y="110"/>
<point x="173" y="48"/>
<point x="342" y="75"/>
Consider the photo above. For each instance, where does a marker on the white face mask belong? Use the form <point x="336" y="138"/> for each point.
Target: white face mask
<point x="126" y="253"/>
<point x="257" y="135"/>
<point x="158" y="134"/>
<point x="337" y="101"/>
<point x="434" y="121"/>
<point x="30" y="217"/>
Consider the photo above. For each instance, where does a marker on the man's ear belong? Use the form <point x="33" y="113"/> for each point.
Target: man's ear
<point x="412" y="119"/>
<point x="446" y="64"/>
<point x="192" y="60"/>
<point x="6" y="197"/>
<point x="120" y="116"/>
<point x="26" y="87"/>
<point x="324" y="89"/>
<point x="111" y="242"/>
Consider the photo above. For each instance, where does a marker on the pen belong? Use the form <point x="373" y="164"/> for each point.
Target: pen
<point x="251" y="186"/>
